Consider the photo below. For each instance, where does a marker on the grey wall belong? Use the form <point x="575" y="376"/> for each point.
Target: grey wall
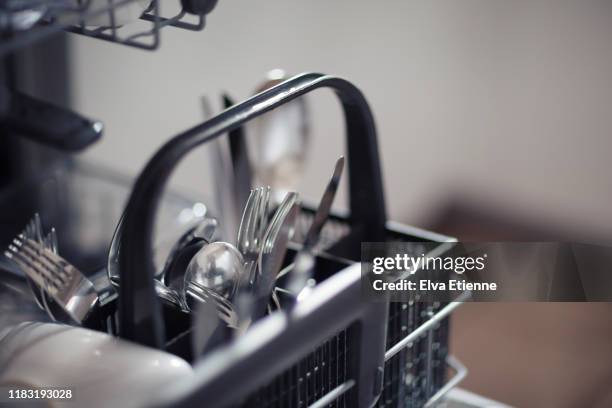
<point x="508" y="102"/>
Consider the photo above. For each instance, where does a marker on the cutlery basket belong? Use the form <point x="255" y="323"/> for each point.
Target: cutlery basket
<point x="411" y="377"/>
<point x="348" y="352"/>
<point x="335" y="348"/>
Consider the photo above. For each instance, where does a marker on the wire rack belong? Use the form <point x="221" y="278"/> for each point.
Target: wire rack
<point x="134" y="23"/>
<point x="325" y="369"/>
<point x="411" y="377"/>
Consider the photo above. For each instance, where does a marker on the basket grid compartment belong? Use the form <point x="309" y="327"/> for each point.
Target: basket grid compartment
<point x="310" y="379"/>
<point x="410" y="377"/>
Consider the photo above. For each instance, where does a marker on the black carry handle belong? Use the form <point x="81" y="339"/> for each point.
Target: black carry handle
<point x="139" y="309"/>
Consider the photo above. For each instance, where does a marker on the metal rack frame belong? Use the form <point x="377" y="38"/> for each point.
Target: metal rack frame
<point x="73" y="19"/>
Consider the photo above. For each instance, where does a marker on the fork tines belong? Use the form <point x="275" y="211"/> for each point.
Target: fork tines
<point x="73" y="292"/>
<point x="37" y="264"/>
<point x="225" y="309"/>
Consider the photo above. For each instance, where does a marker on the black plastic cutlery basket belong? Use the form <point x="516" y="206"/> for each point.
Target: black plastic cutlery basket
<point x="333" y="349"/>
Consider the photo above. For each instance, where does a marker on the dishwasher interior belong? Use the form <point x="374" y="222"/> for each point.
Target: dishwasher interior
<point x="331" y="348"/>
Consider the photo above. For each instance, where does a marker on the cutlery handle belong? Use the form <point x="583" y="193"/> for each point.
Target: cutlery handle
<point x="240" y="162"/>
<point x="140" y="317"/>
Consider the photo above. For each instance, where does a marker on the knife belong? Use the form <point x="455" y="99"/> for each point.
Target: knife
<point x="304" y="261"/>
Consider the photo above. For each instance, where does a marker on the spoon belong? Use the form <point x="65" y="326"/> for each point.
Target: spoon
<point x="280" y="141"/>
<point x="204" y="230"/>
<point x="218" y="267"/>
<point x="183" y="251"/>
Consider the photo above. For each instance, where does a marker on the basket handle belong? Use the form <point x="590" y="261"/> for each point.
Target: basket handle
<point x="139" y="309"/>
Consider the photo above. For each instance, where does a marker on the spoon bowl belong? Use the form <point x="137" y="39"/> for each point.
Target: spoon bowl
<point x="219" y="267"/>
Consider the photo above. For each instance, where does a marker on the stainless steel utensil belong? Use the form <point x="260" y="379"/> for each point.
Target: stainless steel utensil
<point x="242" y="181"/>
<point x="251" y="232"/>
<point x="169" y="295"/>
<point x="273" y="250"/>
<point x="173" y="273"/>
<point x="245" y="241"/>
<point x="33" y="230"/>
<point x="219" y="267"/>
<point x="262" y="216"/>
<point x="163" y="291"/>
<point x="203" y="230"/>
<point x="112" y="262"/>
<point x="175" y="277"/>
<point x="222" y="169"/>
<point x="72" y="291"/>
<point x="196" y="294"/>
<point x="304" y="260"/>
<point x="209" y="329"/>
<point x="279" y="141"/>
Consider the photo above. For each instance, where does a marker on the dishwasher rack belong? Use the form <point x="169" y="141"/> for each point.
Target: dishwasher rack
<point x="335" y="348"/>
<point x="73" y="15"/>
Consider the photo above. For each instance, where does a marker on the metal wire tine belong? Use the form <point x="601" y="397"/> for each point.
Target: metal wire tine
<point x="251" y="271"/>
<point x="33" y="253"/>
<point x="46" y="252"/>
<point x="157" y="26"/>
<point x="277" y="221"/>
<point x="29" y="231"/>
<point x="73" y="292"/>
<point x="248" y="242"/>
<point x="48" y="242"/>
<point x="33" y="269"/>
<point x="30" y="228"/>
<point x="51" y="242"/>
<point x="283" y="290"/>
<point x="221" y="301"/>
<point x="275" y="300"/>
<point x="285" y="271"/>
<point x="37" y="228"/>
<point x="243" y="230"/>
<point x="223" y="306"/>
<point x="48" y="259"/>
<point x="262" y="215"/>
<point x="253" y="222"/>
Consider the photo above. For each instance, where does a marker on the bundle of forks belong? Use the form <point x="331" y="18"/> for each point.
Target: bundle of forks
<point x="59" y="288"/>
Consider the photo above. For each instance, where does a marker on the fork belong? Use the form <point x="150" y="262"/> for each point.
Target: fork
<point x="251" y="231"/>
<point x="225" y="309"/>
<point x="214" y="321"/>
<point x="33" y="230"/>
<point x="72" y="291"/>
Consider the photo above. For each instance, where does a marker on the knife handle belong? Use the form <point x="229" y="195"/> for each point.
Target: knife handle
<point x="48" y="124"/>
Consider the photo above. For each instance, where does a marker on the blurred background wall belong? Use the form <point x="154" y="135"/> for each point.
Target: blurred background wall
<point x="502" y="103"/>
<point x="486" y="110"/>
